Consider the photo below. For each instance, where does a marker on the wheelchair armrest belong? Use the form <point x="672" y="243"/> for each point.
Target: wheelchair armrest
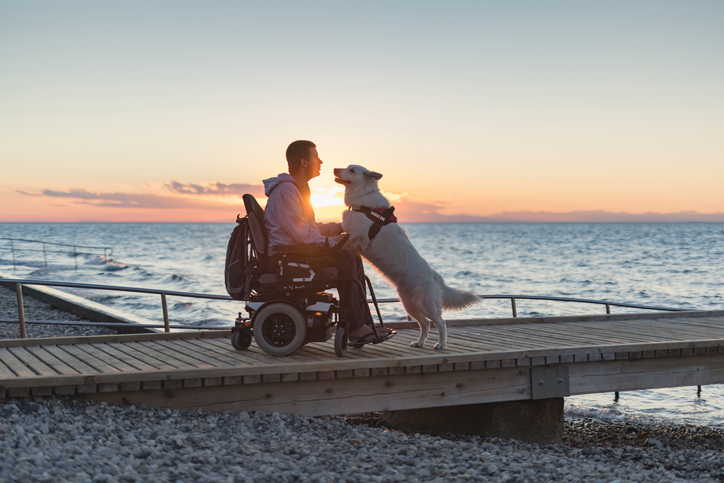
<point x="311" y="248"/>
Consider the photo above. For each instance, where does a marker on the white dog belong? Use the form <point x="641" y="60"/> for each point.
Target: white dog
<point x="381" y="241"/>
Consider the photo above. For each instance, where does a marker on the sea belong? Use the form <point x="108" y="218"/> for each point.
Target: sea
<point x="674" y="265"/>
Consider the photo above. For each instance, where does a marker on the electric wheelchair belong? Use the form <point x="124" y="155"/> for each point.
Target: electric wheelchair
<point x="288" y="304"/>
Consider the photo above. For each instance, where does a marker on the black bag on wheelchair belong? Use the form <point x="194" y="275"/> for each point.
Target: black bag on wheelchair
<point x="238" y="269"/>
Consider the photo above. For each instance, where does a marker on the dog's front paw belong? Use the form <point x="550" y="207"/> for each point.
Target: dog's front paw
<point x="439" y="346"/>
<point x="417" y="343"/>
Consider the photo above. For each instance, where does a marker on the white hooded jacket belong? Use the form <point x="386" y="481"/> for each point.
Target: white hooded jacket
<point x="289" y="216"/>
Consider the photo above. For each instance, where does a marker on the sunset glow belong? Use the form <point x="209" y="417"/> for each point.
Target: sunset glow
<point x="472" y="111"/>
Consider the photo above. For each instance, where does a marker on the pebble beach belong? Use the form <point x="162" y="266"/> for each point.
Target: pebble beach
<point x="68" y="439"/>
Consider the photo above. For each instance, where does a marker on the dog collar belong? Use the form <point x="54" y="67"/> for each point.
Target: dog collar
<point x="379" y="216"/>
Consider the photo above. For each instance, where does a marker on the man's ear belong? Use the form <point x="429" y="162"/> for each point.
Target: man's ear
<point x="371" y="176"/>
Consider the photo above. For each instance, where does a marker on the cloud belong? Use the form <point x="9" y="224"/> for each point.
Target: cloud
<point x="216" y="189"/>
<point x="129" y="200"/>
<point x="210" y="196"/>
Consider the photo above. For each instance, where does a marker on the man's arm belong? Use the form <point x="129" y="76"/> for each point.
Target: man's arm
<point x="330" y="229"/>
<point x="286" y="211"/>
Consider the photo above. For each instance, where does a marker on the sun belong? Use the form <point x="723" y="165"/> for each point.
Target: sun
<point x="326" y="197"/>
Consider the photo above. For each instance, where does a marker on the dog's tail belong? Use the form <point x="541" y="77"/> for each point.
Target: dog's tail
<point x="454" y="299"/>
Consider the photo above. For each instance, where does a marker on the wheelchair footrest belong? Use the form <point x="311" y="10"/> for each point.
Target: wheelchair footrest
<point x="384" y="335"/>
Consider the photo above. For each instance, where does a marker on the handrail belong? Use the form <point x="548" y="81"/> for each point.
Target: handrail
<point x="608" y="304"/>
<point x="107" y="251"/>
<point x="164" y="293"/>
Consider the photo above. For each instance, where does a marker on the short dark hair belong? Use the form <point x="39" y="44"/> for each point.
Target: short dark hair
<point x="297" y="151"/>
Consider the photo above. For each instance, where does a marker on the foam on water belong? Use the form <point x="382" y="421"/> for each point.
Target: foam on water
<point x="676" y="265"/>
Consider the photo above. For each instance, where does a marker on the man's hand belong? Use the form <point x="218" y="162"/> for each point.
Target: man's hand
<point x="351" y="245"/>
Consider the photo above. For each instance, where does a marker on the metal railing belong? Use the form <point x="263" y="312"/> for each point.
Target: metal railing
<point x="107" y="251"/>
<point x="167" y="326"/>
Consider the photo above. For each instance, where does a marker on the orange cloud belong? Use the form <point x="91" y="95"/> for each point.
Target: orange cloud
<point x="217" y="189"/>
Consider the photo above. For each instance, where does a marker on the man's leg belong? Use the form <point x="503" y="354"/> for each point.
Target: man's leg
<point x="350" y="265"/>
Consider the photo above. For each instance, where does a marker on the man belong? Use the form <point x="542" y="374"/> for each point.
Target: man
<point x="289" y="220"/>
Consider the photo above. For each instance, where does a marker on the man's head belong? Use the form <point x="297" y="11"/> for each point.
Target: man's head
<point x="303" y="160"/>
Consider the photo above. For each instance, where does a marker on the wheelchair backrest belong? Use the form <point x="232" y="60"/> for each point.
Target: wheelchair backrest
<point x="255" y="214"/>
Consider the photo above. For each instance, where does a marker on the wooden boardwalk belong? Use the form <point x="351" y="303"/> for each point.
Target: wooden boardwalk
<point x="486" y="361"/>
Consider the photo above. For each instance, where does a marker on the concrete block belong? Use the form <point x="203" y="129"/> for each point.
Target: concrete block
<point x="539" y="421"/>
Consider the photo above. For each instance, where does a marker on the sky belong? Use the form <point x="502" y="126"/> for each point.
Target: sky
<point x="472" y="110"/>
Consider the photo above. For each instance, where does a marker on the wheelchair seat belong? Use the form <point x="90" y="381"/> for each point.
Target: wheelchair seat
<point x="292" y="267"/>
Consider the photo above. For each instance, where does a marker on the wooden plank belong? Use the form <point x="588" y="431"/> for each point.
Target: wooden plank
<point x="200" y="353"/>
<point x="599" y="318"/>
<point x="100" y="339"/>
<point x="70" y="361"/>
<point x="348" y="395"/>
<point x="99" y="365"/>
<point x="253" y="355"/>
<point x="14" y="364"/>
<point x="652" y="373"/>
<point x="151" y="356"/>
<point x="32" y="362"/>
<point x="660" y="331"/>
<point x="5" y="372"/>
<point x="59" y="366"/>
<point x="160" y="353"/>
<point x="166" y="349"/>
<point x="236" y="355"/>
<point x="134" y="363"/>
<point x="115" y="365"/>
<point x="507" y="358"/>
<point x="133" y="352"/>
<point x="588" y="334"/>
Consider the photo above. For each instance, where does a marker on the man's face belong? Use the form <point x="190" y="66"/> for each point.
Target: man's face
<point x="314" y="164"/>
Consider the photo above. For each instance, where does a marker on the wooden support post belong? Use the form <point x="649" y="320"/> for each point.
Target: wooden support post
<point x="21" y="310"/>
<point x="166" y="326"/>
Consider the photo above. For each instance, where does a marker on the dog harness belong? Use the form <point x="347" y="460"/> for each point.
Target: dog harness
<point x="380" y="216"/>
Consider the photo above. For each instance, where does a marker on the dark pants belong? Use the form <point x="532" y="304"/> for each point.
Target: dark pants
<point x="350" y="265"/>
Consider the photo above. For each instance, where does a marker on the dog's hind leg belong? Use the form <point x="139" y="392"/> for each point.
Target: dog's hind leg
<point x="441" y="331"/>
<point x="424" y="330"/>
<point x="413" y="311"/>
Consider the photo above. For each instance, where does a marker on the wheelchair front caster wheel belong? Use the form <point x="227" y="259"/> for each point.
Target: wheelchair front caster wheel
<point x="340" y="342"/>
<point x="241" y="339"/>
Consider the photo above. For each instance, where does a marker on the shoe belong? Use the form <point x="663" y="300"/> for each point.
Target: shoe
<point x="371" y="338"/>
<point x="368" y="338"/>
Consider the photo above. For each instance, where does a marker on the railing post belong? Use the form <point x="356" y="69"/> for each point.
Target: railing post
<point x="512" y="303"/>
<point x="45" y="257"/>
<point x="21" y="310"/>
<point x="608" y="308"/>
<point x="166" y="326"/>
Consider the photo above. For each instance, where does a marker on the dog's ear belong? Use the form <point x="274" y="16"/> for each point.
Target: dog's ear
<point x="371" y="176"/>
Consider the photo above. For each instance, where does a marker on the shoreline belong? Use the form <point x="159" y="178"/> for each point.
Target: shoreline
<point x="45" y="439"/>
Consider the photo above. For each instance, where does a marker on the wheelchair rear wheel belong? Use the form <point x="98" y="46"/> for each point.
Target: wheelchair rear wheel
<point x="279" y="329"/>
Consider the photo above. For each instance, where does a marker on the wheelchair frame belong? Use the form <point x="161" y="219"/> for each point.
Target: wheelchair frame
<point x="286" y="312"/>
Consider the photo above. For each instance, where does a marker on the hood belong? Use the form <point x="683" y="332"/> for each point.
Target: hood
<point x="271" y="183"/>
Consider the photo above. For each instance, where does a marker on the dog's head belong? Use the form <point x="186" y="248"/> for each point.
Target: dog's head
<point x="358" y="181"/>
